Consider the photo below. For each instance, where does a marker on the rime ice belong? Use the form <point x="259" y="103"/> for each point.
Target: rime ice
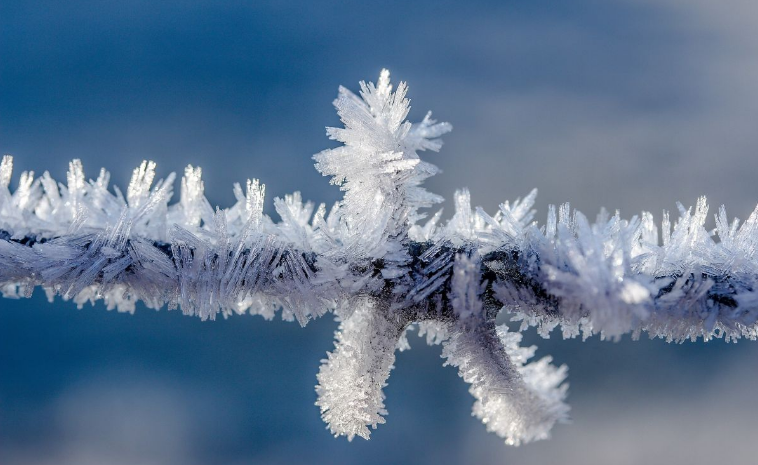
<point x="373" y="262"/>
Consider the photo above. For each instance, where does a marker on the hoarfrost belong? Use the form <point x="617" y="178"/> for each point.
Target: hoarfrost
<point x="381" y="270"/>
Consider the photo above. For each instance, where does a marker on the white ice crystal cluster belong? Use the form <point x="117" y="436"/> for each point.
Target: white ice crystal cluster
<point x="381" y="271"/>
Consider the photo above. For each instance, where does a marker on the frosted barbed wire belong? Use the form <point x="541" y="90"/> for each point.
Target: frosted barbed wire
<point x="372" y="263"/>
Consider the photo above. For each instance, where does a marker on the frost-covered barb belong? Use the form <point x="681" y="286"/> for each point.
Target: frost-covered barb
<point x="374" y="264"/>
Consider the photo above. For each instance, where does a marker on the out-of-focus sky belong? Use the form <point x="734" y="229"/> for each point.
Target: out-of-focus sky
<point x="625" y="104"/>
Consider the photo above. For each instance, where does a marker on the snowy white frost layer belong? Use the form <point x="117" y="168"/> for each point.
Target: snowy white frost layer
<point x="381" y="270"/>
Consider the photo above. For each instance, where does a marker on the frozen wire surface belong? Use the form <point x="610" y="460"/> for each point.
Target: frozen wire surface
<point x="381" y="267"/>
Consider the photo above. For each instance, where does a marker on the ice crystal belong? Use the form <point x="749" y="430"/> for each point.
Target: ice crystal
<point x="352" y="377"/>
<point x="373" y="263"/>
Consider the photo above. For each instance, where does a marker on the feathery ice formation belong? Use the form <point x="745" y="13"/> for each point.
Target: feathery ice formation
<point x="381" y="272"/>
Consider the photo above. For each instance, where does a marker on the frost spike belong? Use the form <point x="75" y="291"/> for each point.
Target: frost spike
<point x="351" y="378"/>
<point x="518" y="401"/>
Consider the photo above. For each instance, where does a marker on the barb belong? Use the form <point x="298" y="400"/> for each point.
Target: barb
<point x="381" y="272"/>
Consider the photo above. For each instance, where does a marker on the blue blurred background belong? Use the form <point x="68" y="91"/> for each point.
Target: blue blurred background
<point x="624" y="104"/>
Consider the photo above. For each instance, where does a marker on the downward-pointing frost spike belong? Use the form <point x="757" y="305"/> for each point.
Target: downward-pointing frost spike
<point x="380" y="272"/>
<point x="516" y="400"/>
<point x="520" y="402"/>
<point x="352" y="377"/>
